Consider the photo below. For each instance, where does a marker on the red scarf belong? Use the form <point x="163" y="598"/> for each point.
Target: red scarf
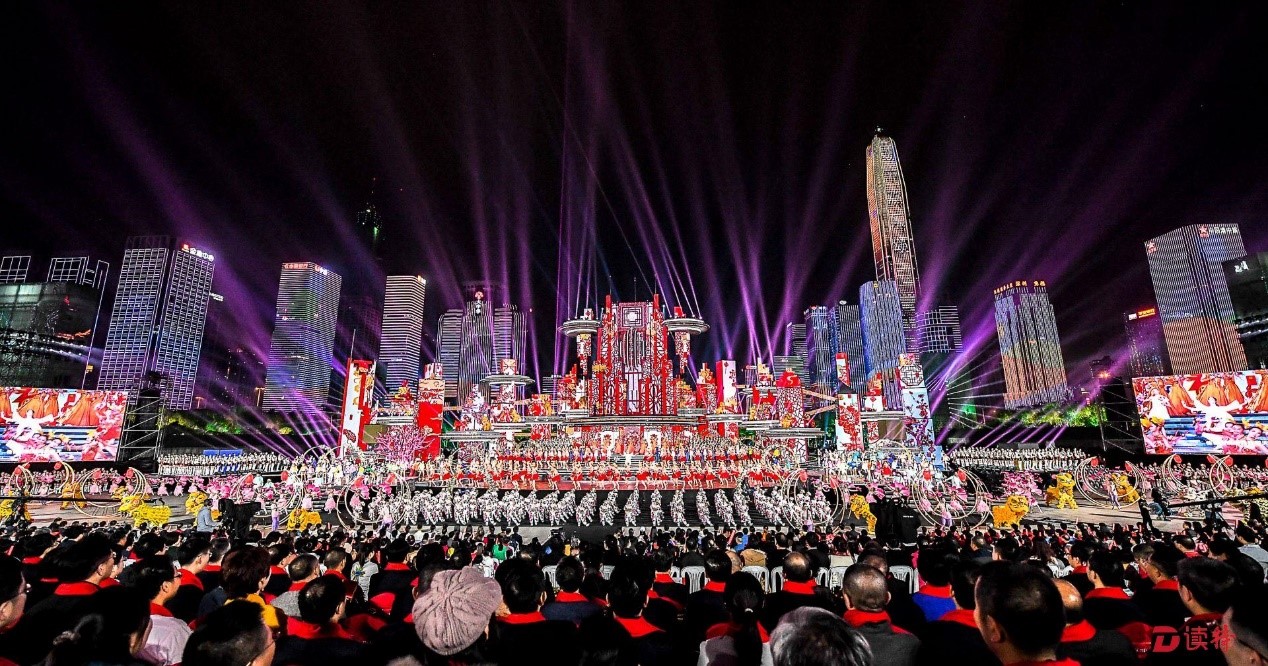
<point x="1107" y="593"/>
<point x="523" y="618"/>
<point x="211" y="568"/>
<point x="156" y="609"/>
<point x="296" y="587"/>
<point x="396" y="566"/>
<point x="714" y="586"/>
<point x="857" y="618"/>
<point x="939" y="591"/>
<point x="277" y="571"/>
<point x="570" y="598"/>
<point x="190" y="578"/>
<point x="306" y="630"/>
<point x="962" y="616"/>
<point x="1080" y="570"/>
<point x="1169" y="584"/>
<point x="79" y="589"/>
<point x="637" y="627"/>
<point x="731" y="629"/>
<point x="1047" y="662"/>
<point x="662" y="577"/>
<point x="1078" y="633"/>
<point x="804" y="587"/>
<point x="32" y="560"/>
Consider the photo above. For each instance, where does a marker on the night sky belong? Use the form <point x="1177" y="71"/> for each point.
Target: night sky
<point x="712" y="150"/>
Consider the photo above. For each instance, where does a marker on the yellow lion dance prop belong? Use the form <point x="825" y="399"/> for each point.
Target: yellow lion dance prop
<point x="860" y="510"/>
<point x="300" y="520"/>
<point x="1062" y="493"/>
<point x="1010" y="513"/>
<point x="6" y="510"/>
<point x="1126" y="491"/>
<point x="143" y="514"/>
<point x="194" y="502"/>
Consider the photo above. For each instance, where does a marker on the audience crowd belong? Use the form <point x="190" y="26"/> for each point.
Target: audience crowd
<point x="78" y="594"/>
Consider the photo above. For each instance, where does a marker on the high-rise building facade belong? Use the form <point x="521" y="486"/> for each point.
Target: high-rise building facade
<point x="14" y="269"/>
<point x="1030" y="348"/>
<point x="797" y="346"/>
<point x="1248" y="290"/>
<point x="301" y="353"/>
<point x="510" y="336"/>
<point x="880" y="306"/>
<point x="893" y="248"/>
<point x="232" y="372"/>
<point x="402" y="331"/>
<point x="157" y="322"/>
<point x="849" y="321"/>
<point x="47" y="329"/>
<point x="938" y="331"/>
<point x="1192" y="292"/>
<point x="822" y="345"/>
<point x="474" y="340"/>
<point x="1146" y="343"/>
<point x="449" y="352"/>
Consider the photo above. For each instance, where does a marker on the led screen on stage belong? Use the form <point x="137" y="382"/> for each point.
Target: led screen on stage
<point x="44" y="425"/>
<point x="1217" y="412"/>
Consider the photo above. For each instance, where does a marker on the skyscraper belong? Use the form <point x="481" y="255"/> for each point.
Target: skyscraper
<point x="1034" y="369"/>
<point x="1146" y="343"/>
<point x="301" y="351"/>
<point x="796" y="347"/>
<point x="893" y="248"/>
<point x="232" y="371"/>
<point x="1248" y="290"/>
<point x="880" y="305"/>
<point x="938" y="330"/>
<point x="509" y="336"/>
<point x="449" y="352"/>
<point x="47" y="329"/>
<point x="402" y="337"/>
<point x="1192" y="293"/>
<point x="156" y="325"/>
<point x="473" y="340"/>
<point x="822" y="345"/>
<point x="849" y="321"/>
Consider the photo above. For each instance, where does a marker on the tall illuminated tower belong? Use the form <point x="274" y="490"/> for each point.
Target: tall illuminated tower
<point x="402" y="332"/>
<point x="509" y="335"/>
<point x="449" y="351"/>
<point x="156" y="325"/>
<point x="1146" y="342"/>
<point x="1030" y="348"/>
<point x="880" y="305"/>
<point x="1192" y="292"/>
<point x="301" y="351"/>
<point x="822" y="345"/>
<point x="849" y="322"/>
<point x="893" y="248"/>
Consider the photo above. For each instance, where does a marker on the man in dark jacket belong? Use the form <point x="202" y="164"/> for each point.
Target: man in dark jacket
<point x="955" y="638"/>
<point x="865" y="598"/>
<point x="799" y="591"/>
<point x="1080" y="553"/>
<point x="1084" y="643"/>
<point x="664" y="587"/>
<point x="705" y="607"/>
<point x="525" y="630"/>
<point x="1207" y="588"/>
<point x="902" y="610"/>
<point x="82" y="566"/>
<point x="1162" y="605"/>
<point x="1107" y="605"/>
<point x="628" y="586"/>
<point x="395" y="579"/>
<point x="569" y="604"/>
<point x="315" y="637"/>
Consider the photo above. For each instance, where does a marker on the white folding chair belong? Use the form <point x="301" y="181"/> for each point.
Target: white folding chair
<point x="907" y="574"/>
<point x="821" y="577"/>
<point x="606" y="571"/>
<point x="675" y="574"/>
<point x="836" y="577"/>
<point x="777" y="579"/>
<point x="549" y="573"/>
<point x="695" y="578"/>
<point x="762" y="574"/>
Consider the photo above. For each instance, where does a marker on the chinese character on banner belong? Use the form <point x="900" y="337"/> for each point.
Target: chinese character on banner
<point x="357" y="393"/>
<point x="431" y="404"/>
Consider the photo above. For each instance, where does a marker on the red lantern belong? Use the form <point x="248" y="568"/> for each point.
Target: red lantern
<point x="1176" y="458"/>
<point x="1210" y="459"/>
<point x="1095" y="462"/>
<point x="285" y="475"/>
<point x="959" y="474"/>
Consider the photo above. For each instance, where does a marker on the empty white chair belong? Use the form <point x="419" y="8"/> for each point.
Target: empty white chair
<point x="777" y="579"/>
<point x="907" y="574"/>
<point x="675" y="574"/>
<point x="549" y="573"/>
<point x="606" y="571"/>
<point x="821" y="577"/>
<point x="762" y="574"/>
<point x="695" y="578"/>
<point x="836" y="576"/>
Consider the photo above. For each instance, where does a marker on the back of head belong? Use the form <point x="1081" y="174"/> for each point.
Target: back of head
<point x="396" y="550"/>
<point x="628" y="586"/>
<point x="604" y="642"/>
<point x="1107" y="568"/>
<point x="935" y="563"/>
<point x="232" y="634"/>
<point x="717" y="566"/>
<point x="816" y="637"/>
<point x="1024" y="604"/>
<point x="243" y="570"/>
<point x="1166" y="559"/>
<point x="522" y="585"/>
<point x="569" y="573"/>
<point x="303" y="567"/>
<point x="865" y="588"/>
<point x="320" y="599"/>
<point x="82" y="558"/>
<point x="797" y="567"/>
<point x="335" y="559"/>
<point x="112" y="620"/>
<point x="1212" y="583"/>
<point x="147" y="576"/>
<point x="192" y="549"/>
<point x="11" y="581"/>
<point x="1249" y="571"/>
<point x="963" y="583"/>
<point x="1245" y="533"/>
<point x="876" y="560"/>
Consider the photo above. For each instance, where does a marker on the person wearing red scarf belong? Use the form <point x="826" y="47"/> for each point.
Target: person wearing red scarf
<point x="1108" y="606"/>
<point x="83" y="565"/>
<point x="13" y="591"/>
<point x="316" y="637"/>
<point x="155" y="578"/>
<point x="866" y="595"/>
<point x="1020" y="615"/>
<point x="628" y="585"/>
<point x="1207" y="587"/>
<point x="1162" y="605"/>
<point x="705" y="607"/>
<point x="799" y="590"/>
<point x="1085" y="643"/>
<point x="569" y="604"/>
<point x="525" y="630"/>
<point x="193" y="556"/>
<point x="956" y="633"/>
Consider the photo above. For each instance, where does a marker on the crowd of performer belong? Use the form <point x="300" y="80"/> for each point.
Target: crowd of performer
<point x="185" y="464"/>
<point x="1035" y="460"/>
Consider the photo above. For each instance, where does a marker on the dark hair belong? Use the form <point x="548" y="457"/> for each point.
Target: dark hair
<point x="744" y="599"/>
<point x="1211" y="582"/>
<point x="1249" y="622"/>
<point x="81" y="558"/>
<point x="1167" y="558"/>
<point x="1247" y="534"/>
<point x="105" y="631"/>
<point x="148" y="545"/>
<point x="230" y="634"/>
<point x="815" y="637"/>
<point x="935" y="563"/>
<point x="396" y="550"/>
<point x="865" y="587"/>
<point x="1107" y="567"/>
<point x="243" y="570"/>
<point x="717" y="566"/>
<point x="319" y="600"/>
<point x="302" y="567"/>
<point x="796" y="567"/>
<point x="278" y="552"/>
<point x="1249" y="571"/>
<point x="1024" y="603"/>
<point x="218" y="549"/>
<point x="190" y="550"/>
<point x="569" y="573"/>
<point x="148" y="576"/>
<point x="604" y="642"/>
<point x="1082" y="550"/>
<point x="963" y="581"/>
<point x="336" y="559"/>
<point x="11" y="581"/>
<point x="628" y="585"/>
<point x="522" y="585"/>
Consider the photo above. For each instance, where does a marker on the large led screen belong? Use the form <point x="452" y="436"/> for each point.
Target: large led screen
<point x="46" y="425"/>
<point x="1217" y="412"/>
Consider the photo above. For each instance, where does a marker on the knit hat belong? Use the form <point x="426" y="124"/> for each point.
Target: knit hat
<point x="455" y="610"/>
